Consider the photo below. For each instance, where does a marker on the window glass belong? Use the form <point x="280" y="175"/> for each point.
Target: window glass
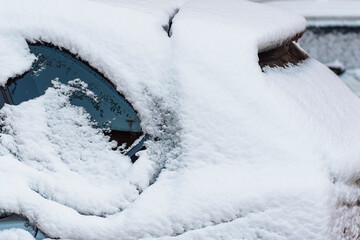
<point x="2" y="100"/>
<point x="110" y="110"/>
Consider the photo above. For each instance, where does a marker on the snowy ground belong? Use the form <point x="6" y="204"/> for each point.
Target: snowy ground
<point x="241" y="153"/>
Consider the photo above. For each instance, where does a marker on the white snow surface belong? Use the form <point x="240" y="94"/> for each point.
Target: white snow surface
<point x="15" y="234"/>
<point x="67" y="160"/>
<point x="242" y="154"/>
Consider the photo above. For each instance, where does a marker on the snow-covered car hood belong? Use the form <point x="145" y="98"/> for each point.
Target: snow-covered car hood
<point x="236" y="152"/>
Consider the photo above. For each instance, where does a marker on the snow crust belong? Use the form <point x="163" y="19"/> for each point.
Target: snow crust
<point x="241" y="153"/>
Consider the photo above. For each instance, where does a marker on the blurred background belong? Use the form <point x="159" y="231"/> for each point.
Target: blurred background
<point x="332" y="35"/>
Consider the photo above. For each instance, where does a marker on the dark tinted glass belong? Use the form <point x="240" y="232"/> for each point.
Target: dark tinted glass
<point x="2" y="100"/>
<point x="110" y="111"/>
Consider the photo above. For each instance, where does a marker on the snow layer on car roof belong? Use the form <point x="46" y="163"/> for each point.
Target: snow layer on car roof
<point x="268" y="26"/>
<point x="240" y="153"/>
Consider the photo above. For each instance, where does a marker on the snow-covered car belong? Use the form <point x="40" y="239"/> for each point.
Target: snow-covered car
<point x="171" y="120"/>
